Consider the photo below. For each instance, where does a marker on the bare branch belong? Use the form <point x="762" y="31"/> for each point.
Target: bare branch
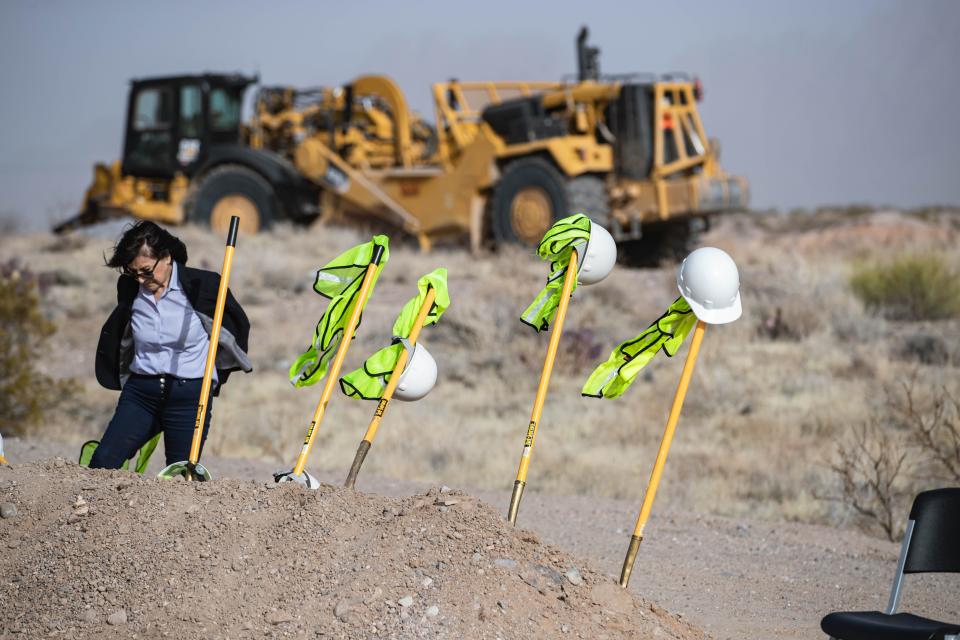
<point x="870" y="470"/>
<point x="934" y="429"/>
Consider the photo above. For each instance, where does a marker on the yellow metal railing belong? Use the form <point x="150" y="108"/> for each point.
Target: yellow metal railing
<point x="675" y="111"/>
<point x="459" y="105"/>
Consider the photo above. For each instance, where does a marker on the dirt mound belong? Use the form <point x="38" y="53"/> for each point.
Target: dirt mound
<point x="88" y="553"/>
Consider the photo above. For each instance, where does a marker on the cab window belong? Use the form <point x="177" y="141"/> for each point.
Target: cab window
<point x="224" y="110"/>
<point x="151" y="137"/>
<point x="152" y="109"/>
<point x="191" y="111"/>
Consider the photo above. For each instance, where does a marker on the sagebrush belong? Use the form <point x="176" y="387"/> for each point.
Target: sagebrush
<point x="909" y="287"/>
<point x="25" y="393"/>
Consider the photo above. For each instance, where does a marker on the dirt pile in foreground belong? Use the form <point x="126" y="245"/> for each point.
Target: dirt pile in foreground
<point x="93" y="553"/>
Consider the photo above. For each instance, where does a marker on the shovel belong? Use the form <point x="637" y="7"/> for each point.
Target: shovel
<point x="191" y="469"/>
<point x="388" y="392"/>
<point x="297" y="474"/>
<point x="521" y="481"/>
<point x="651" y="492"/>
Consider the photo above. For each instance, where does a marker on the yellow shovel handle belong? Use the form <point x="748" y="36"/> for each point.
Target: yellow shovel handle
<point x="535" y="415"/>
<point x="399" y="367"/>
<point x="214" y="340"/>
<point x="665" y="442"/>
<point x="389" y="390"/>
<point x="334" y="373"/>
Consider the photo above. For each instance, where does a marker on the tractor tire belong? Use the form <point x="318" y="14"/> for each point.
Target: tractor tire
<point x="230" y="190"/>
<point x="662" y="243"/>
<point x="587" y="194"/>
<point x="529" y="198"/>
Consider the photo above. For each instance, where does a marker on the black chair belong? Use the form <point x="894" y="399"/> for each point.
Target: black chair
<point x="931" y="543"/>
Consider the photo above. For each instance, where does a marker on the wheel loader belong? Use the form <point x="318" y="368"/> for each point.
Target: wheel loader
<point x="499" y="163"/>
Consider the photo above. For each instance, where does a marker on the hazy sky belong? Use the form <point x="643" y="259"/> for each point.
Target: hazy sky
<point x="816" y="102"/>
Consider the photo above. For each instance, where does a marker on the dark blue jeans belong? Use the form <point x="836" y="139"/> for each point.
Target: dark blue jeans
<point x="148" y="405"/>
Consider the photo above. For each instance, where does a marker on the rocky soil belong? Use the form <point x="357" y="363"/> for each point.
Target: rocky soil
<point x="734" y="578"/>
<point x="107" y="553"/>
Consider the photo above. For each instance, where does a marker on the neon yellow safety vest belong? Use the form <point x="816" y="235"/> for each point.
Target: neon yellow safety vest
<point x="667" y="333"/>
<point x="557" y="245"/>
<point x="369" y="381"/>
<point x="340" y="281"/>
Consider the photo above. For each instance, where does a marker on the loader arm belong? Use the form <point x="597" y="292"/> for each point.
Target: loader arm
<point x="388" y="90"/>
<point x="320" y="164"/>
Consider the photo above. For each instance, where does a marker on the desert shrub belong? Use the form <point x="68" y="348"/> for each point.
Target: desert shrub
<point x="933" y="428"/>
<point x="913" y="446"/>
<point x="582" y="350"/>
<point x="794" y="323"/>
<point x="870" y="467"/>
<point x="923" y="347"/>
<point x="25" y="393"/>
<point x="909" y="287"/>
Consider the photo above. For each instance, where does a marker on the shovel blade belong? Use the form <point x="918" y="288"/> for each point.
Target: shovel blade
<point x="186" y="470"/>
<point x="305" y="479"/>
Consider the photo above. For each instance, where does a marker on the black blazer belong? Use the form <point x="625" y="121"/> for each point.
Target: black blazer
<point x="201" y="288"/>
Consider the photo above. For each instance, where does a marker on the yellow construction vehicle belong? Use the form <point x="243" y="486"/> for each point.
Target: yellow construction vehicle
<point x="501" y="161"/>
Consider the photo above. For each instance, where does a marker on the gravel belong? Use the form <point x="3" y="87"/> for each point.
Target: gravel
<point x="117" y="617"/>
<point x="231" y="558"/>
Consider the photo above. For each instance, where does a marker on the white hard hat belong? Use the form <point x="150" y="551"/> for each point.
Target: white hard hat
<point x="709" y="281"/>
<point x="305" y="479"/>
<point x="419" y="376"/>
<point x="598" y="258"/>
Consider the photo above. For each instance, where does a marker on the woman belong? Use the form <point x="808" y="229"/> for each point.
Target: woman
<point x="154" y="345"/>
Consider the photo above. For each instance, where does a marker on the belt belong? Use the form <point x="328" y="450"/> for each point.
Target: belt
<point x="162" y="377"/>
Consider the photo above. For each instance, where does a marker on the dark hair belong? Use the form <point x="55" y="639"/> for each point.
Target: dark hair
<point x="159" y="242"/>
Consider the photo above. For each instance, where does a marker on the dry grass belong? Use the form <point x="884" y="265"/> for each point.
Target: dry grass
<point x="771" y="395"/>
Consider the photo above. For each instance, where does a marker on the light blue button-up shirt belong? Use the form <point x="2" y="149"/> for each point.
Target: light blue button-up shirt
<point x="168" y="337"/>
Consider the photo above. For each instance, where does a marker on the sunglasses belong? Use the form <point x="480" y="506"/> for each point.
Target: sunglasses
<point x="146" y="274"/>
